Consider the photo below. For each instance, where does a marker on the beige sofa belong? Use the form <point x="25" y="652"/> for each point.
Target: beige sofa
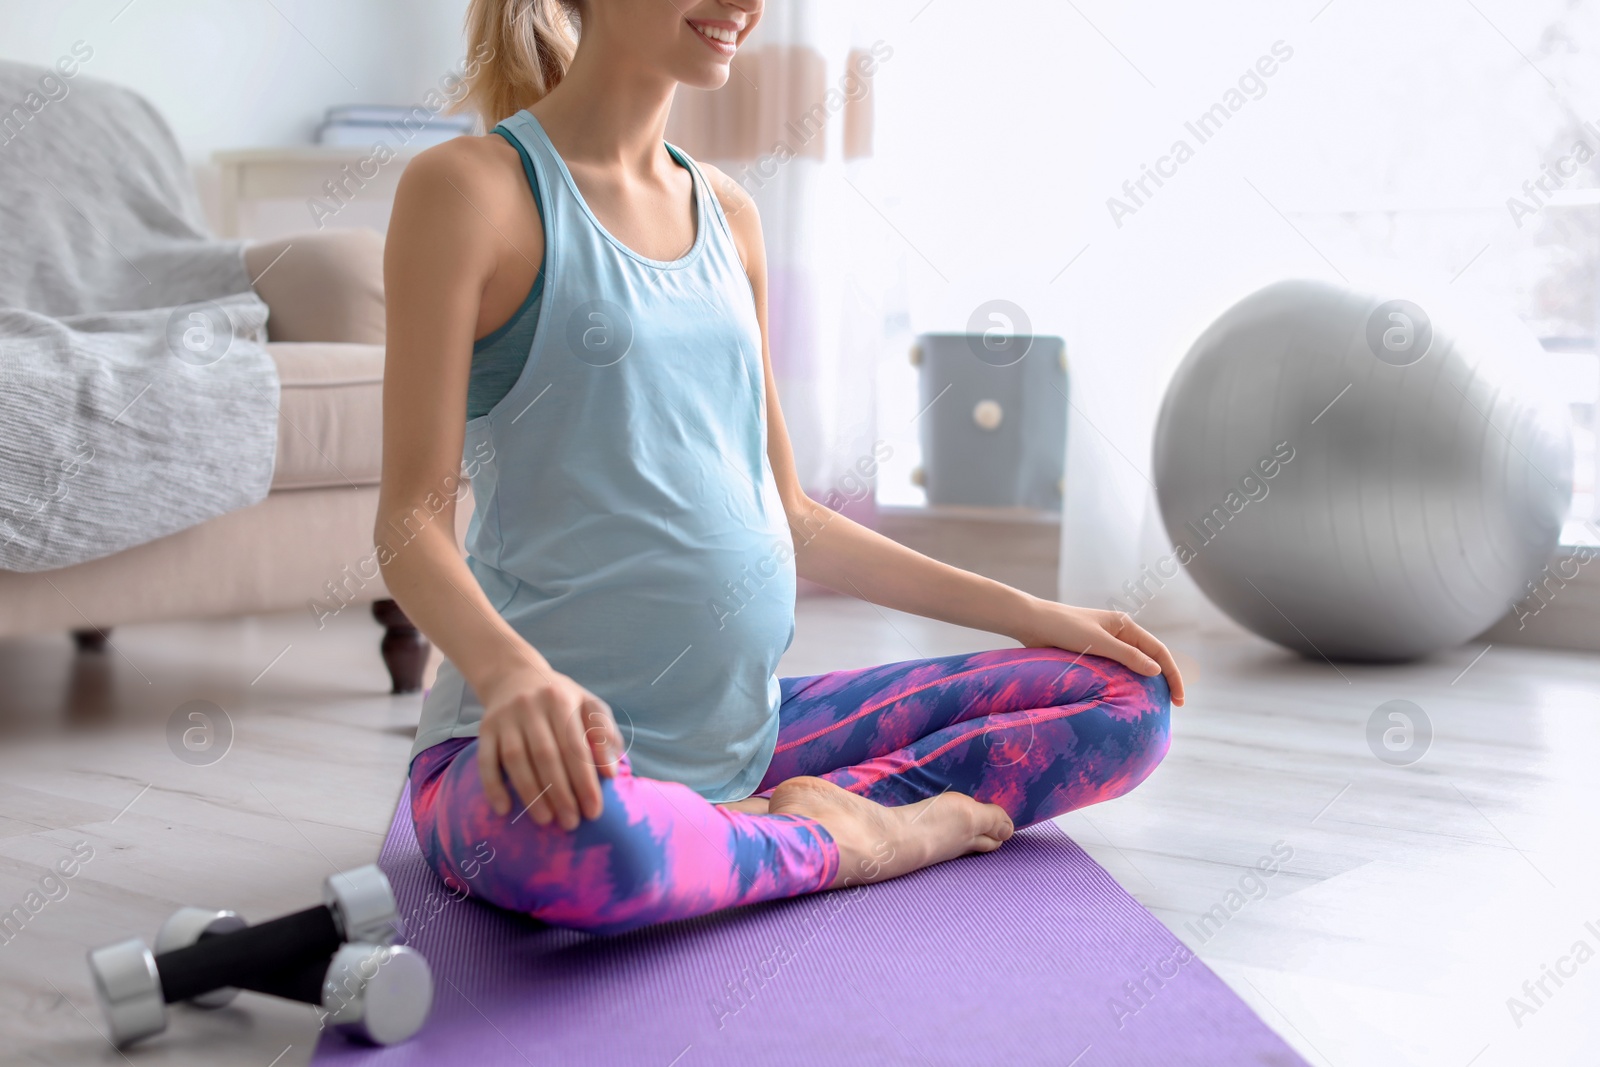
<point x="314" y="529"/>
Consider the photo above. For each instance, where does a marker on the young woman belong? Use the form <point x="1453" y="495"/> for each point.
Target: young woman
<point x="579" y="310"/>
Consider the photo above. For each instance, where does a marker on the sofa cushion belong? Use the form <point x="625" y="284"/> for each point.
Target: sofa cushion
<point x="330" y="415"/>
<point x="321" y="286"/>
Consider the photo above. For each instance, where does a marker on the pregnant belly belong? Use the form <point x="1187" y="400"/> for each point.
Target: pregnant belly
<point x="664" y="627"/>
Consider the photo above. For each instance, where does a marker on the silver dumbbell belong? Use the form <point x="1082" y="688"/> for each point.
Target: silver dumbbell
<point x="204" y="957"/>
<point x="379" y="993"/>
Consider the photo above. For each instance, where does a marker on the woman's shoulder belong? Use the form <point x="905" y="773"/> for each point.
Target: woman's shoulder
<point x="450" y="190"/>
<point x="740" y="209"/>
<point x="733" y="197"/>
<point x="463" y="166"/>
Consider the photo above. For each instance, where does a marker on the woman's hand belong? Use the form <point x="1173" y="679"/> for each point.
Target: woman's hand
<point x="553" y="738"/>
<point x="1112" y="634"/>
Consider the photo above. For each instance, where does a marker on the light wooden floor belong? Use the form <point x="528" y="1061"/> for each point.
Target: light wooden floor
<point x="1416" y="901"/>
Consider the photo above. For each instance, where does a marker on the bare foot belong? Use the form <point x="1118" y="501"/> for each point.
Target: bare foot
<point x="749" y="805"/>
<point x="877" y="843"/>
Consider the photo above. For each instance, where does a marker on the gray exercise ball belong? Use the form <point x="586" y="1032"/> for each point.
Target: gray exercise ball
<point x="1356" y="477"/>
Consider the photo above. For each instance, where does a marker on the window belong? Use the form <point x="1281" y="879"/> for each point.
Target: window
<point x="1563" y="305"/>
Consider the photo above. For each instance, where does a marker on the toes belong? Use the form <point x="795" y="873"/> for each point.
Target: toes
<point x="994" y="823"/>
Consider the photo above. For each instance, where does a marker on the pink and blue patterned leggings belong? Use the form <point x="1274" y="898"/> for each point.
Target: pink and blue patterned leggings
<point x="1037" y="731"/>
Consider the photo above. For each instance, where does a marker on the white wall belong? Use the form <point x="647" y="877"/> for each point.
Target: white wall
<point x="246" y="73"/>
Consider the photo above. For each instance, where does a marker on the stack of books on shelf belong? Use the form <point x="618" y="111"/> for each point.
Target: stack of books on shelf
<point x="365" y="125"/>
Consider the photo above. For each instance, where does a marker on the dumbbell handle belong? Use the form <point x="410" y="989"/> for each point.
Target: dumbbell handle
<point x="243" y="956"/>
<point x="300" y="980"/>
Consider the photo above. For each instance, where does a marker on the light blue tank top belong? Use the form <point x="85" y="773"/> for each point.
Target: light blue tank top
<point x="627" y="523"/>
<point x="498" y="358"/>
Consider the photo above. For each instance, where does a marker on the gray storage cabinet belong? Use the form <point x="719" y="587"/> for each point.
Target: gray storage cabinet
<point x="994" y="420"/>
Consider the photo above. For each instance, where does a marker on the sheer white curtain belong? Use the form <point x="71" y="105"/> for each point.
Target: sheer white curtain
<point x="794" y="127"/>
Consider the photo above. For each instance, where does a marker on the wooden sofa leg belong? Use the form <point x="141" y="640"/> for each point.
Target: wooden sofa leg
<point x="405" y="650"/>
<point x="91" y="640"/>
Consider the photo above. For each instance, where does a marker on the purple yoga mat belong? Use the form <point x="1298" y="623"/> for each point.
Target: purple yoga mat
<point x="1028" y="955"/>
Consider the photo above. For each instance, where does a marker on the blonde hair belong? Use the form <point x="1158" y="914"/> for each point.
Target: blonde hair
<point x="522" y="49"/>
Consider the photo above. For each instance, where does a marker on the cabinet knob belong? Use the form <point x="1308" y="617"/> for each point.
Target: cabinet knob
<point x="988" y="414"/>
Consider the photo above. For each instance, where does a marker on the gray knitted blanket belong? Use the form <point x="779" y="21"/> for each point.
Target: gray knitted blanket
<point x="136" y="398"/>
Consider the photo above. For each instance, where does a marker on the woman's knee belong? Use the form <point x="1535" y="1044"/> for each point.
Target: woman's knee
<point x="593" y="878"/>
<point x="1141" y="707"/>
<point x="1133" y="724"/>
<point x="605" y="876"/>
<point x="1136" y="693"/>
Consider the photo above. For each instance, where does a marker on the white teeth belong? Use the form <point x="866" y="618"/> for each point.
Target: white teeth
<point x="716" y="33"/>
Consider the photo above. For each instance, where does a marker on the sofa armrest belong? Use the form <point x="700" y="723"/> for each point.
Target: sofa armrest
<point x="321" y="286"/>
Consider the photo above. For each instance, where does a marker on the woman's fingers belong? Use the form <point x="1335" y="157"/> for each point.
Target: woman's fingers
<point x="1146" y="642"/>
<point x="1169" y="668"/>
<point x="494" y="786"/>
<point x="582" y="773"/>
<point x="601" y="735"/>
<point x="519" y="767"/>
<point x="537" y="739"/>
<point x="1125" y="654"/>
<point x="547" y="764"/>
<point x="1124" y="647"/>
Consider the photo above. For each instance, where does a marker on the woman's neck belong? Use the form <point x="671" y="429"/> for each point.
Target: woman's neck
<point x="608" y="112"/>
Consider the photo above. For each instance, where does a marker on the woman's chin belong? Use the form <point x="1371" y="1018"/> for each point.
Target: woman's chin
<point x="705" y="73"/>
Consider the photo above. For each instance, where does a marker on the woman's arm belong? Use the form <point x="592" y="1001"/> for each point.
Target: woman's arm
<point x="444" y="248"/>
<point x="851" y="559"/>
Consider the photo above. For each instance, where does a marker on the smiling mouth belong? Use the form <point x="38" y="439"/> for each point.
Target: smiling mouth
<point x="724" y="40"/>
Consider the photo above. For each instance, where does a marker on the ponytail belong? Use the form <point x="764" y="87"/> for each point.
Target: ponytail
<point x="522" y="49"/>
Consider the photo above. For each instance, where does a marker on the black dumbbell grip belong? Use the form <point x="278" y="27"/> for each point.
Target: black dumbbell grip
<point x="241" y="957"/>
<point x="299" y="981"/>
